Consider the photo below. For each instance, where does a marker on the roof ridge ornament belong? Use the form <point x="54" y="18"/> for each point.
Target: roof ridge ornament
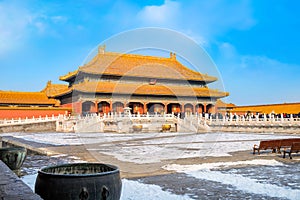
<point x="101" y="49"/>
<point x="173" y="56"/>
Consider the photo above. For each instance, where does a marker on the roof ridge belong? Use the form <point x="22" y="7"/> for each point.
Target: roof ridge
<point x="12" y="91"/>
<point x="135" y="55"/>
<point x="274" y="104"/>
<point x="117" y="54"/>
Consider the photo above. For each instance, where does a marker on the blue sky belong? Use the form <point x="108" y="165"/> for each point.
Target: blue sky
<point x="255" y="44"/>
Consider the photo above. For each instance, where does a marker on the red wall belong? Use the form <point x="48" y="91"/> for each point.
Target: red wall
<point x="29" y="113"/>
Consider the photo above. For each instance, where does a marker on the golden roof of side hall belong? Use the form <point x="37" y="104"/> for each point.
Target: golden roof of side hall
<point x="222" y="104"/>
<point x="269" y="108"/>
<point x="144" y="89"/>
<point x="133" y="65"/>
<point x="52" y="89"/>
<point x="30" y="98"/>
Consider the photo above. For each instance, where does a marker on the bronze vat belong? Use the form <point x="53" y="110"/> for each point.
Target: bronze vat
<point x="84" y="181"/>
<point x="13" y="157"/>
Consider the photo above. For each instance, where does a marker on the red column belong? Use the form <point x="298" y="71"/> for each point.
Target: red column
<point x="213" y="109"/>
<point x="96" y="107"/>
<point x="166" y="107"/>
<point x="145" y="108"/>
<point x="110" y="106"/>
<point x="197" y="108"/>
<point x="78" y="107"/>
<point x="141" y="108"/>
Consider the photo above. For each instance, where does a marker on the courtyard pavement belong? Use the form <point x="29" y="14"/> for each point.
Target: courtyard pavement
<point x="174" y="165"/>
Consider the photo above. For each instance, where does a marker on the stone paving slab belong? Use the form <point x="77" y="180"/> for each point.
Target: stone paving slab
<point x="13" y="188"/>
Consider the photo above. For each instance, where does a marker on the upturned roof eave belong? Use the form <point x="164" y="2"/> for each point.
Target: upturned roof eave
<point x="69" y="76"/>
<point x="70" y="90"/>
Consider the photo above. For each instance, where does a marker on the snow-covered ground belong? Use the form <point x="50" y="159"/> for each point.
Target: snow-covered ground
<point x="154" y="147"/>
<point x="255" y="179"/>
<point x="147" y="138"/>
<point x="212" y="172"/>
<point x="82" y="138"/>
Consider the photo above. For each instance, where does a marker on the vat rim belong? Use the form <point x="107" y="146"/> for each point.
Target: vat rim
<point x="43" y="173"/>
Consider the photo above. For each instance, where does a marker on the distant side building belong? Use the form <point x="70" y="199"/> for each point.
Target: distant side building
<point x="223" y="107"/>
<point x="289" y="108"/>
<point x="15" y="104"/>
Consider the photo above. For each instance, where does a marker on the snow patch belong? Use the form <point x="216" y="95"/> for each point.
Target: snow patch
<point x="209" y="166"/>
<point x="204" y="171"/>
<point x="247" y="184"/>
<point x="29" y="180"/>
<point x="135" y="190"/>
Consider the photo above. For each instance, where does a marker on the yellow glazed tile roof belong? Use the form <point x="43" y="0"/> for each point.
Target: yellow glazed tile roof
<point x="68" y="75"/>
<point x="276" y="108"/>
<point x="109" y="63"/>
<point x="12" y="97"/>
<point x="52" y="89"/>
<point x="145" y="89"/>
<point x="222" y="104"/>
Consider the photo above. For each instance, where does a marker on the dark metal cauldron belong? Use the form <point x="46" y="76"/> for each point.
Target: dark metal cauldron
<point x="13" y="157"/>
<point x="80" y="181"/>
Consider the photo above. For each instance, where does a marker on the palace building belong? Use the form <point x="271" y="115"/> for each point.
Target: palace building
<point x="112" y="81"/>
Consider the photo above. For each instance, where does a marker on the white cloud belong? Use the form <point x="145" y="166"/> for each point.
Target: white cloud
<point x="265" y="63"/>
<point x="160" y="15"/>
<point x="59" y="19"/>
<point x="18" y="23"/>
<point x="256" y="77"/>
<point x="227" y="51"/>
<point x="201" y="20"/>
<point x="13" y="22"/>
<point x="230" y="58"/>
<point x="217" y="17"/>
